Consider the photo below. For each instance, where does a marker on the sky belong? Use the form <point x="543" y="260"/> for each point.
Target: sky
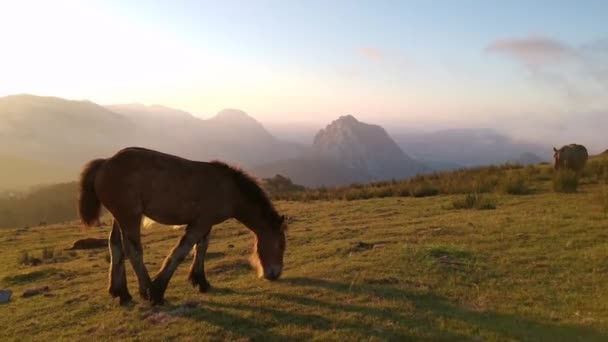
<point x="450" y="63"/>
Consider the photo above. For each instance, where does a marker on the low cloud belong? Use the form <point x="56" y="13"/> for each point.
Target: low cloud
<point x="533" y="51"/>
<point x="578" y="73"/>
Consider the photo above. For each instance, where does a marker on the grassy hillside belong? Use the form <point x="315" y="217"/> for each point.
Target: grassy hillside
<point x="507" y="178"/>
<point x="396" y="268"/>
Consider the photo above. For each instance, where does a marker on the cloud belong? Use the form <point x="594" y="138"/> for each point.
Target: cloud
<point x="372" y="53"/>
<point x="533" y="51"/>
<point x="579" y="73"/>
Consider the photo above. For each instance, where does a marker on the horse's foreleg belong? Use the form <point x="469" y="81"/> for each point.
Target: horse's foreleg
<point x="131" y="241"/>
<point x="118" y="276"/>
<point x="197" y="269"/>
<point x="194" y="234"/>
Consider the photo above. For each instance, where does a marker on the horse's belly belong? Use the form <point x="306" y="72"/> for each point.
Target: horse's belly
<point x="176" y="213"/>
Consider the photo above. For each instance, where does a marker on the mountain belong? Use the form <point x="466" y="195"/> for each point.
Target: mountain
<point x="55" y="131"/>
<point x="457" y="148"/>
<point x="58" y="131"/>
<point x="231" y="135"/>
<point x="346" y="151"/>
<point x="365" y="147"/>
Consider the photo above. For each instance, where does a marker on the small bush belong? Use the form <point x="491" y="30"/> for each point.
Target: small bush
<point x="565" y="181"/>
<point x="474" y="201"/>
<point x="47" y="253"/>
<point x="424" y="190"/>
<point x="603" y="199"/>
<point x="23" y="258"/>
<point x="515" y="185"/>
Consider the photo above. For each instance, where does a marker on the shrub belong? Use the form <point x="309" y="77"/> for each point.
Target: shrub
<point x="23" y="258"/>
<point x="565" y="181"/>
<point x="474" y="201"/>
<point x="603" y="199"/>
<point x="47" y="253"/>
<point x="515" y="185"/>
<point x="424" y="190"/>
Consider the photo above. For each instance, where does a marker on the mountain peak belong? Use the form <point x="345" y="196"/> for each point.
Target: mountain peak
<point x="363" y="146"/>
<point x="230" y="114"/>
<point x="347" y="119"/>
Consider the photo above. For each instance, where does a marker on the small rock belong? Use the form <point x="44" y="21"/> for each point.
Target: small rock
<point x="90" y="243"/>
<point x="230" y="245"/>
<point x="33" y="292"/>
<point x="5" y="296"/>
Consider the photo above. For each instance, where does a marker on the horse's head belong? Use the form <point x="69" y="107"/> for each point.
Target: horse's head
<point x="557" y="162"/>
<point x="269" y="248"/>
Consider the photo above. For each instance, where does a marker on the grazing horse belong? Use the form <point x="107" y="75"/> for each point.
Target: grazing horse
<point x="572" y="157"/>
<point x="138" y="182"/>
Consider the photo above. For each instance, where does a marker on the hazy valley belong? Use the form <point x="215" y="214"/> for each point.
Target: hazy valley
<point x="61" y="135"/>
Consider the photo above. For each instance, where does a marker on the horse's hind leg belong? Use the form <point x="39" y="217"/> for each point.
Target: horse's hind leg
<point x="118" y="276"/>
<point x="197" y="269"/>
<point x="194" y="234"/>
<point x="131" y="240"/>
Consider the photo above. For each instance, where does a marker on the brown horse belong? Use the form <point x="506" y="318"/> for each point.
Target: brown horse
<point x="138" y="182"/>
<point x="572" y="157"/>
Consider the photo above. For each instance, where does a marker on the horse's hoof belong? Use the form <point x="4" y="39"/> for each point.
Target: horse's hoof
<point x="204" y="287"/>
<point x="157" y="301"/>
<point x="125" y="299"/>
<point x="145" y="294"/>
<point x="156" y="294"/>
<point x="118" y="292"/>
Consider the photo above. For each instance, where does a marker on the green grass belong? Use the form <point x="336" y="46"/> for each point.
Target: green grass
<point x="533" y="269"/>
<point x="384" y="261"/>
<point x="475" y="201"/>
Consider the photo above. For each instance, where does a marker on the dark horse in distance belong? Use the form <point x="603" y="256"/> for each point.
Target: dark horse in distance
<point x="138" y="182"/>
<point x="572" y="157"/>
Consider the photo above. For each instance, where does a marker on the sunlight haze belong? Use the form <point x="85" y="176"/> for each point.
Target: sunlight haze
<point x="420" y="63"/>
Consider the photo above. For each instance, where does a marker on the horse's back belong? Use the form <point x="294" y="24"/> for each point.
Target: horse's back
<point x="164" y="187"/>
<point x="575" y="156"/>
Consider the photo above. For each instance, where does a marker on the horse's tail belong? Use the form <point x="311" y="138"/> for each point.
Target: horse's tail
<point x="89" y="206"/>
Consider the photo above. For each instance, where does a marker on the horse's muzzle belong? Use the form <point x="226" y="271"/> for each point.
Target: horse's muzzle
<point x="273" y="272"/>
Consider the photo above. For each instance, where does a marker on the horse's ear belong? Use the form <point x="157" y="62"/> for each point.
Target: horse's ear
<point x="554" y="149"/>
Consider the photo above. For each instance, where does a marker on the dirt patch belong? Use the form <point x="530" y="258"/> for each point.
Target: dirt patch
<point x="35" y="291"/>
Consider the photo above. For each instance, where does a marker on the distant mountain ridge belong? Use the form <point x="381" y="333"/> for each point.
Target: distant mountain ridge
<point x="70" y="133"/>
<point x="347" y="151"/>
<point x="38" y="130"/>
<point x="458" y="148"/>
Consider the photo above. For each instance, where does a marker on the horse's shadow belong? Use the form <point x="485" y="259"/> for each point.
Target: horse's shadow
<point x="507" y="326"/>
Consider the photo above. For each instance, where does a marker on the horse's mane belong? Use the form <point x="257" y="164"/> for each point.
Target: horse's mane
<point x="249" y="187"/>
